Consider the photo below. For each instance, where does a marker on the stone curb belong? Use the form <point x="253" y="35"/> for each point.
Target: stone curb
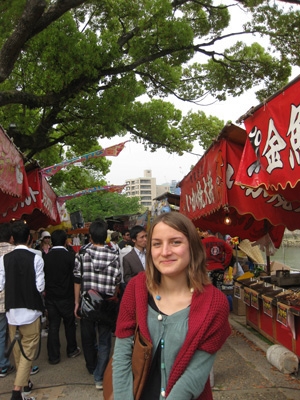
<point x="239" y="324"/>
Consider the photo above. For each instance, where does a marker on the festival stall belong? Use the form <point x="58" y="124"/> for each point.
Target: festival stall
<point x="212" y="200"/>
<point x="271" y="156"/>
<point x="38" y="209"/>
<point x="127" y="221"/>
<point x="12" y="171"/>
<point x="24" y="194"/>
<point x="271" y="162"/>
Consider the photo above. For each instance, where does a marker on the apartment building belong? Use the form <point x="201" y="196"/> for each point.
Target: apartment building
<point x="145" y="188"/>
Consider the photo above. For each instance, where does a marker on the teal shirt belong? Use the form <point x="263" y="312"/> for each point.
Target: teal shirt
<point x="172" y="329"/>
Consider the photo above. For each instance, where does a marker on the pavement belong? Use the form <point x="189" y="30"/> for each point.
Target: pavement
<point x="241" y="372"/>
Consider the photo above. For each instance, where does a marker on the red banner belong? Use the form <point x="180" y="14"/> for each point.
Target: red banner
<point x="12" y="171"/>
<point x="271" y="157"/>
<point x="111" y="188"/>
<point x="112" y="151"/>
<point x="211" y="185"/>
<point x="39" y="208"/>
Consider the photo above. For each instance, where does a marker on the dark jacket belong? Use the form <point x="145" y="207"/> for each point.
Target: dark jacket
<point x="59" y="265"/>
<point x="132" y="265"/>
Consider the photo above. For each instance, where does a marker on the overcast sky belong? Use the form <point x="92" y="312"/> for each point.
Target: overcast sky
<point x="133" y="159"/>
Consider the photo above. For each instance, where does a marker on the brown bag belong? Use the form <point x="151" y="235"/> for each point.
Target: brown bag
<point x="141" y="360"/>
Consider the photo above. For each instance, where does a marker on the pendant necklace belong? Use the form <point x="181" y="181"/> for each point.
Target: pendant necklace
<point x="158" y="298"/>
<point x="159" y="317"/>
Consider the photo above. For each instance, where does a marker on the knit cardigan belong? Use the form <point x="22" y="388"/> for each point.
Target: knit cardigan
<point x="208" y="326"/>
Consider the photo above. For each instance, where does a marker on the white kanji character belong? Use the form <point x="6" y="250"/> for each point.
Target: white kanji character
<point x="274" y="144"/>
<point x="208" y="189"/>
<point x="294" y="133"/>
<point x="255" y="138"/>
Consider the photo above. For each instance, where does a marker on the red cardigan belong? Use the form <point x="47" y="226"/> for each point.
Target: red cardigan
<point x="208" y="326"/>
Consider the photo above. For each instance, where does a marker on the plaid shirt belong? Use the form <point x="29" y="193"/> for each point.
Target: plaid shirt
<point x="4" y="248"/>
<point x="101" y="270"/>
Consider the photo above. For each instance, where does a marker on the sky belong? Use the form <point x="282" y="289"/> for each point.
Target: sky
<point x="134" y="160"/>
<point x="165" y="167"/>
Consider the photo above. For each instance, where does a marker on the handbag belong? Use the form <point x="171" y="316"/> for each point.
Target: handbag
<point x="98" y="308"/>
<point x="141" y="360"/>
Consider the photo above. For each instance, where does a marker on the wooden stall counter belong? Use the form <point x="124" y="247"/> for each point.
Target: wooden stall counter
<point x="270" y="311"/>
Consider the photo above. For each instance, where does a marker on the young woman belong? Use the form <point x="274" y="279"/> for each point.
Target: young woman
<point x="178" y="310"/>
<point x="45" y="243"/>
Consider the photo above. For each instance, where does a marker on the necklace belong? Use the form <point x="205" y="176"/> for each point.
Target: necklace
<point x="158" y="298"/>
<point x="159" y="317"/>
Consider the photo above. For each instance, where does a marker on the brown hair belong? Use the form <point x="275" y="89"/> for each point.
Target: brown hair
<point x="197" y="275"/>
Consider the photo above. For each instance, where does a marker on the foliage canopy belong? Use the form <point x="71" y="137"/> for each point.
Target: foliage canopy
<point x="102" y="205"/>
<point x="74" y="71"/>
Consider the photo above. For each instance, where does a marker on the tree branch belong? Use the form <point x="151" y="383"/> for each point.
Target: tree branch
<point x="14" y="44"/>
<point x="54" y="12"/>
<point x="32" y="21"/>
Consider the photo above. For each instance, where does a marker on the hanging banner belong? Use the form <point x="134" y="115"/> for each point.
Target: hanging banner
<point x="112" y="188"/>
<point x="12" y="171"/>
<point x="271" y="156"/>
<point x="211" y="185"/>
<point x="112" y="151"/>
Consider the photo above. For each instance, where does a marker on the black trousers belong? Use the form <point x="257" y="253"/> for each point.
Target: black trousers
<point x="57" y="310"/>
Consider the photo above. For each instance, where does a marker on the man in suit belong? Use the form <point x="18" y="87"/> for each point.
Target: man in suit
<point x="134" y="261"/>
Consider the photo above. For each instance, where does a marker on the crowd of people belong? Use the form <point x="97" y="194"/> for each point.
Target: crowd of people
<point x="168" y="287"/>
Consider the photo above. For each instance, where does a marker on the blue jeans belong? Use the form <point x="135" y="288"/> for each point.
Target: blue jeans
<point x="4" y="362"/>
<point x="96" y="350"/>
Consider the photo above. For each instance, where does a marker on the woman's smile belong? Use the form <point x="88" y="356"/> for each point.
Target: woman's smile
<point x="169" y="249"/>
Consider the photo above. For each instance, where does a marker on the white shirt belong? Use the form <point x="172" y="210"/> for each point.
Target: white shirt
<point x="24" y="316"/>
<point x="142" y="256"/>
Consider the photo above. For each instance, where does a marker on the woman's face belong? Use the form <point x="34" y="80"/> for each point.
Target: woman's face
<point x="170" y="250"/>
<point x="46" y="240"/>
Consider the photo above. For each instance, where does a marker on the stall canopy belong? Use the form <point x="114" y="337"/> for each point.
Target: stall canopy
<point x="127" y="221"/>
<point x="38" y="209"/>
<point x="12" y="170"/>
<point x="172" y="198"/>
<point x="271" y="156"/>
<point x="209" y="195"/>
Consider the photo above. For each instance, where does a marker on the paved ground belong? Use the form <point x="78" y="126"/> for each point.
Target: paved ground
<point x="241" y="372"/>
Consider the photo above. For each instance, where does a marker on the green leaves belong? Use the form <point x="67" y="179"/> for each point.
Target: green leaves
<point x="101" y="205"/>
<point x="86" y="70"/>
